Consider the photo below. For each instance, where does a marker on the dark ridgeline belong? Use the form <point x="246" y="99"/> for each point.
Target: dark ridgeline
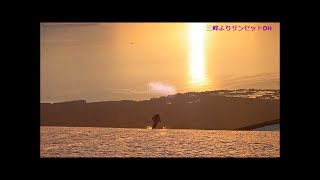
<point x="205" y="110"/>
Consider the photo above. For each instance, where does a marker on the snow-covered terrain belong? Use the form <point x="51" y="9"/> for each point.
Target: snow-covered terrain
<point x="274" y="127"/>
<point x="130" y="142"/>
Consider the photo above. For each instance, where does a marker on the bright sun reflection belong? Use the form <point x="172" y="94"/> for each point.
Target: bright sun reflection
<point x="197" y="59"/>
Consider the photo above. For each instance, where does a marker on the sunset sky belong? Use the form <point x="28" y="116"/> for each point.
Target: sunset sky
<point x="137" y="61"/>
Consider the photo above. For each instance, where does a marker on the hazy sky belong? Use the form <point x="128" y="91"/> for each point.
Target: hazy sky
<point x="117" y="61"/>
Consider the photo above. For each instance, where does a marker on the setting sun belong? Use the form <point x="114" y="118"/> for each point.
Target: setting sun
<point x="197" y="58"/>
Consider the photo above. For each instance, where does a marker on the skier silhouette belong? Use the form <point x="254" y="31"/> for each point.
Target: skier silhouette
<point x="156" y="120"/>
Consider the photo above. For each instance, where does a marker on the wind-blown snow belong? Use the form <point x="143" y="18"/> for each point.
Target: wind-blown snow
<point x="162" y="88"/>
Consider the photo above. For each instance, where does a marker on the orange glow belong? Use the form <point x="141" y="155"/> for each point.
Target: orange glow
<point x="197" y="54"/>
<point x="115" y="61"/>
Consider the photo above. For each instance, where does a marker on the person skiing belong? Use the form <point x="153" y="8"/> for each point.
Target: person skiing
<point x="156" y="120"/>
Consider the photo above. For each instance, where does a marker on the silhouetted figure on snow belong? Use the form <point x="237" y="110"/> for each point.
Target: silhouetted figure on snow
<point x="156" y="120"/>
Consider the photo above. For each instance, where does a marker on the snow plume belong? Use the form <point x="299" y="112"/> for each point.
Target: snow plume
<point x="159" y="87"/>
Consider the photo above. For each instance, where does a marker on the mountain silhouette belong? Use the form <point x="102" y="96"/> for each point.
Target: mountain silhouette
<point x="203" y="110"/>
